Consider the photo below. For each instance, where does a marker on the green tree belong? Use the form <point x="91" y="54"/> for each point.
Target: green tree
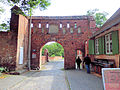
<point x="54" y="49"/>
<point x="27" y="6"/>
<point x="5" y="26"/>
<point x="100" y="17"/>
<point x="1" y="10"/>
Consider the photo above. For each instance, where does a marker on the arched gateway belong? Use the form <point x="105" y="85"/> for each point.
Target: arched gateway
<point x="70" y="31"/>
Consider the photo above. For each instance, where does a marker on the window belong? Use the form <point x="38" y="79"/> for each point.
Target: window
<point x="31" y="25"/>
<point x="42" y="29"/>
<point x="64" y="31"/>
<point x="108" y="43"/>
<point x="60" y="25"/>
<point x="79" y="30"/>
<point x="71" y="30"/>
<point x="47" y="25"/>
<point x="96" y="46"/>
<point x="75" y="25"/>
<point x="68" y="25"/>
<point x="39" y="25"/>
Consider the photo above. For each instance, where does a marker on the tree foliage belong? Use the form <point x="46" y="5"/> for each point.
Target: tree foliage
<point x="100" y="17"/>
<point x="27" y="6"/>
<point x="5" y="26"/>
<point x="54" y="49"/>
<point x="1" y="10"/>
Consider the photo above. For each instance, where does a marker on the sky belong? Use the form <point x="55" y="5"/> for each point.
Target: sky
<point x="72" y="7"/>
<point x="78" y="7"/>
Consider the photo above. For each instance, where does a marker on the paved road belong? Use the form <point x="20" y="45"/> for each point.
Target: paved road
<point x="53" y="77"/>
<point x="80" y="80"/>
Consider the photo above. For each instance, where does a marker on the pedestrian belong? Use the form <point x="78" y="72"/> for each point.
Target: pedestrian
<point x="47" y="57"/>
<point x="87" y="62"/>
<point x="78" y="61"/>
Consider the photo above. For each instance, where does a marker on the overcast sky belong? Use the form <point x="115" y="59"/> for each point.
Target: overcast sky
<point x="72" y="7"/>
<point x="78" y="7"/>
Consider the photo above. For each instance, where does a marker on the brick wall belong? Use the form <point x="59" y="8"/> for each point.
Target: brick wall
<point x="70" y="41"/>
<point x="8" y="49"/>
<point x="10" y="43"/>
<point x="43" y="60"/>
<point x="55" y="58"/>
<point x="22" y="41"/>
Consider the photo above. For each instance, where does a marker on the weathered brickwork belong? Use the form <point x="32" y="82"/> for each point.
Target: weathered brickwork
<point x="55" y="58"/>
<point x="70" y="41"/>
<point x="8" y="49"/>
<point x="10" y="42"/>
<point x="22" y="41"/>
<point x="75" y="30"/>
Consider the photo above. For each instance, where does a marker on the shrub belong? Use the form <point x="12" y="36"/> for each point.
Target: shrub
<point x="2" y="69"/>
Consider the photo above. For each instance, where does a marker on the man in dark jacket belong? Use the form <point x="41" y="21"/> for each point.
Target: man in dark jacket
<point x="87" y="62"/>
<point x="78" y="61"/>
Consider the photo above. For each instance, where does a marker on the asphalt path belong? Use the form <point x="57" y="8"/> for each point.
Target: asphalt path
<point x="52" y="76"/>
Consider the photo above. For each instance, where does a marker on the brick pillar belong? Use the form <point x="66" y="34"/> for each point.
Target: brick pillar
<point x="69" y="58"/>
<point x="35" y="59"/>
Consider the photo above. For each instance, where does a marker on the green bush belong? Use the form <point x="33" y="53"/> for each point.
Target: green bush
<point x="2" y="69"/>
<point x="53" y="55"/>
<point x="54" y="49"/>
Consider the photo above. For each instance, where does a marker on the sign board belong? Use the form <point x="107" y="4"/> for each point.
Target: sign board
<point x="33" y="55"/>
<point x="21" y="57"/>
<point x="111" y="78"/>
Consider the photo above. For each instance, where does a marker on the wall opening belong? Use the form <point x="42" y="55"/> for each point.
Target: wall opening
<point x="79" y="54"/>
<point x="50" y="52"/>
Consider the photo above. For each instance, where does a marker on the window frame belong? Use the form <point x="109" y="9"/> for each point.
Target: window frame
<point x="68" y="25"/>
<point x="32" y="25"/>
<point x="108" y="43"/>
<point x="40" y="26"/>
<point x="97" y="46"/>
<point x="75" y="25"/>
<point x="60" y="25"/>
<point x="47" y="25"/>
<point x="71" y="30"/>
<point x="79" y="30"/>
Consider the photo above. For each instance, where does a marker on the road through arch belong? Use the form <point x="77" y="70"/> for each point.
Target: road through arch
<point x="69" y="31"/>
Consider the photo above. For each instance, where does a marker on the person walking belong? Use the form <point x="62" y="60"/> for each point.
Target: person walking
<point x="78" y="61"/>
<point x="87" y="62"/>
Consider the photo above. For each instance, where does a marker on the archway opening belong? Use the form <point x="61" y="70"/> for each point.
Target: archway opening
<point x="79" y="54"/>
<point x="50" y="52"/>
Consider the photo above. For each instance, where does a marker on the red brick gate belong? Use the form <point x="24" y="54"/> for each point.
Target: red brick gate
<point x="69" y="31"/>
